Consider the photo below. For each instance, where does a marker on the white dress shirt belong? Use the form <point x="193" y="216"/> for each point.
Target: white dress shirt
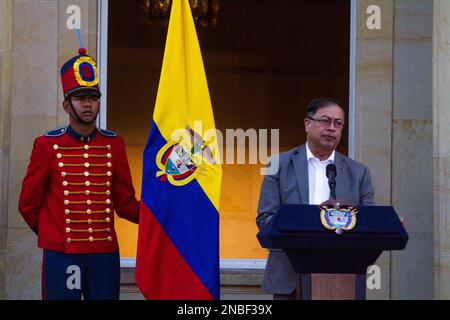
<point x="319" y="191"/>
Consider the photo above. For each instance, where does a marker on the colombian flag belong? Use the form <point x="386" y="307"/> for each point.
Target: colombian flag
<point x="178" y="242"/>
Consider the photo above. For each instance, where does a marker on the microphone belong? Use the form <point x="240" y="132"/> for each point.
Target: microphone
<point x="331" y="175"/>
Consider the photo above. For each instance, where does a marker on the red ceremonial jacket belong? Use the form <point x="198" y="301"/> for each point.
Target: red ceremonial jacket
<point x="72" y="188"/>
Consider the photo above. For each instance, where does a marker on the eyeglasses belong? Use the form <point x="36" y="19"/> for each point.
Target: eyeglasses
<point x="326" y="122"/>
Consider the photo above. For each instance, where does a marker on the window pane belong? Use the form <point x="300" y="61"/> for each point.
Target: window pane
<point x="264" y="60"/>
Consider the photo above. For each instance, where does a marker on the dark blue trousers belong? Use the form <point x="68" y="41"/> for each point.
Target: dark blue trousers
<point x="94" y="276"/>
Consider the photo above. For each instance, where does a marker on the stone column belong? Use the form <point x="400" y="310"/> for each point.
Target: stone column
<point x="6" y="7"/>
<point x="441" y="146"/>
<point x="373" y="112"/>
<point x="41" y="44"/>
<point x="412" y="173"/>
<point x="33" y="111"/>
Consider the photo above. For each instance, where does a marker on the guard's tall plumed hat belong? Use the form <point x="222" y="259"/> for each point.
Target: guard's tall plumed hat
<point x="79" y="76"/>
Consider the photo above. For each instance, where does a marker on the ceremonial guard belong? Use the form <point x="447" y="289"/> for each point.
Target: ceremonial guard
<point x="77" y="177"/>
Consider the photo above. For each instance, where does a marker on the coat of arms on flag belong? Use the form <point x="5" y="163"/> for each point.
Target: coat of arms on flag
<point x="178" y="162"/>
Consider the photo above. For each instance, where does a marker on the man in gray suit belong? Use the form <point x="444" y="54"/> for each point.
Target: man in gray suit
<point x="301" y="179"/>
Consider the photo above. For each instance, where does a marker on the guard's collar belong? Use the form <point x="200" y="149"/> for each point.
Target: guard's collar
<point x="79" y="137"/>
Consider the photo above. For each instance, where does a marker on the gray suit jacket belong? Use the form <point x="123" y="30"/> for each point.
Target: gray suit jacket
<point x="289" y="185"/>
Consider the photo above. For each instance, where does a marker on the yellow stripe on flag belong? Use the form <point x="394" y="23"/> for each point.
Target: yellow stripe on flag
<point x="183" y="97"/>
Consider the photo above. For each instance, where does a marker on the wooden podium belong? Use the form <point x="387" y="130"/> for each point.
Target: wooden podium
<point x="314" y="250"/>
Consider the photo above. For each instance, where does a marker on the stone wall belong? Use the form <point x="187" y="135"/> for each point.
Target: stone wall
<point x="34" y="44"/>
<point x="373" y="114"/>
<point x="441" y="147"/>
<point x="393" y="134"/>
<point x="5" y="115"/>
<point x="412" y="143"/>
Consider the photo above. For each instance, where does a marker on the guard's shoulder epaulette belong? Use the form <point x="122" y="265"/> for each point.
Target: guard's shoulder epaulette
<point x="107" y="133"/>
<point x="56" y="132"/>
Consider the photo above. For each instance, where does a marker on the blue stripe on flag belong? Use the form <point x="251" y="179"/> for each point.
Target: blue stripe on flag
<point x="186" y="214"/>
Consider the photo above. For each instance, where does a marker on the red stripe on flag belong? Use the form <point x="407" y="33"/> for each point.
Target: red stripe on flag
<point x="161" y="271"/>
